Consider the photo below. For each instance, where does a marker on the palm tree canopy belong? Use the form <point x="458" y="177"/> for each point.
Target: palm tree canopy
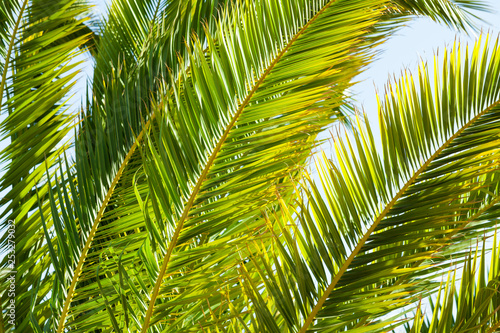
<point x="186" y="206"/>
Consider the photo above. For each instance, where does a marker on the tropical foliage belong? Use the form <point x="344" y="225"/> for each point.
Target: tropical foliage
<point x="183" y="202"/>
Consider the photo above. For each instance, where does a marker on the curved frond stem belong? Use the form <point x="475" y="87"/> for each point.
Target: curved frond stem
<point x="95" y="225"/>
<point x="84" y="253"/>
<point x="382" y="215"/>
<point x="98" y="218"/>
<point x="403" y="279"/>
<point x="211" y="160"/>
<point x="9" y="50"/>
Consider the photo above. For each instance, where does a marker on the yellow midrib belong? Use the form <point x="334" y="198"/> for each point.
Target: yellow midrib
<point x="9" y="50"/>
<point x="206" y="169"/>
<point x="389" y="206"/>
<point x="450" y="236"/>
<point x="86" y="248"/>
<point x="83" y="255"/>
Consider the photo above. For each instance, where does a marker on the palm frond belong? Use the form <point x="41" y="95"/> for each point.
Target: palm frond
<point x="11" y="16"/>
<point x="381" y="226"/>
<point x="105" y="147"/>
<point x="455" y="13"/>
<point x="145" y="37"/>
<point x="39" y="44"/>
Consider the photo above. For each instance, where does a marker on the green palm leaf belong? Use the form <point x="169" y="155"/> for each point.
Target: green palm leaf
<point x="210" y="71"/>
<point x="455" y="13"/>
<point x="386" y="223"/>
<point x="38" y="250"/>
<point x="135" y="239"/>
<point x="40" y="43"/>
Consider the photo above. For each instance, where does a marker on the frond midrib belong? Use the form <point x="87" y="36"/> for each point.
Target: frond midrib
<point x="450" y="236"/>
<point x="93" y="230"/>
<point x="210" y="162"/>
<point x="107" y="198"/>
<point x="9" y="50"/>
<point x="104" y="204"/>
<point x="386" y="210"/>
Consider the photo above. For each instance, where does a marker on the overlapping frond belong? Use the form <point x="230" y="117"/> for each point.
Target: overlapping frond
<point x="11" y="15"/>
<point x="100" y="149"/>
<point x="145" y="37"/>
<point x="134" y="54"/>
<point x="383" y="224"/>
<point x="210" y="229"/>
<point x="455" y="13"/>
<point x="234" y="96"/>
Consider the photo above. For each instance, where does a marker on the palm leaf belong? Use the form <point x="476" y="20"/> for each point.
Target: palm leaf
<point x="40" y="304"/>
<point x="174" y="170"/>
<point x="455" y="13"/>
<point x="39" y="44"/>
<point x="386" y="224"/>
